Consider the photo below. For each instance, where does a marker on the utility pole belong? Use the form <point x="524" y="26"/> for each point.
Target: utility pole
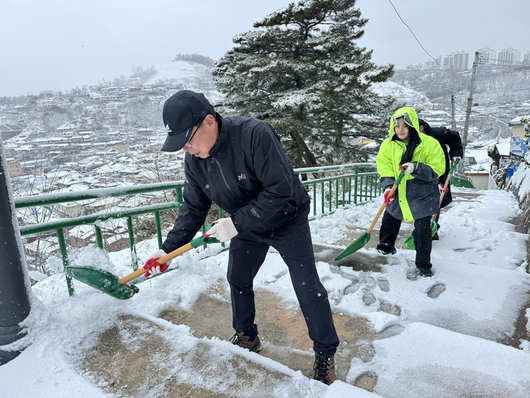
<point x="453" y="121"/>
<point x="14" y="281"/>
<point x="469" y="104"/>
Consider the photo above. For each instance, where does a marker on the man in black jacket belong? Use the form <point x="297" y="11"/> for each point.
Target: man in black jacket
<point x="239" y="164"/>
<point x="453" y="150"/>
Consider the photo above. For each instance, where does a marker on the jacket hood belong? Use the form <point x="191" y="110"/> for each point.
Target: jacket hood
<point x="427" y="129"/>
<point x="408" y="113"/>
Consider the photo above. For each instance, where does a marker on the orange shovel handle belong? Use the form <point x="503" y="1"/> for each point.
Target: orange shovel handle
<point x="161" y="260"/>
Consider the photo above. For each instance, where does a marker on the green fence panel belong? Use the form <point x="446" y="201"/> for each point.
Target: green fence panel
<point x="461" y="180"/>
<point x="348" y="184"/>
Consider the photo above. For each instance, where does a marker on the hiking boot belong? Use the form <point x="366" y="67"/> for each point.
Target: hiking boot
<point x="251" y="343"/>
<point x="324" y="368"/>
<point x="425" y="272"/>
<point x="385" y="249"/>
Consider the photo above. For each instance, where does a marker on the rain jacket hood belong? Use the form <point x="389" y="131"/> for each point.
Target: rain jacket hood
<point x="410" y="116"/>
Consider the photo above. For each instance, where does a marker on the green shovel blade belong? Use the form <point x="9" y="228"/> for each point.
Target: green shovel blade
<point x="409" y="242"/>
<point x="109" y="283"/>
<point x="103" y="281"/>
<point x="353" y="247"/>
<point x="363" y="239"/>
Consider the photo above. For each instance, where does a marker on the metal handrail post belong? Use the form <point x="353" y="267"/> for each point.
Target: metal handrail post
<point x="14" y="281"/>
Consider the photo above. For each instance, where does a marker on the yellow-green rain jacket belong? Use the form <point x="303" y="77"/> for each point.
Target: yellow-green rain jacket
<point x="417" y="195"/>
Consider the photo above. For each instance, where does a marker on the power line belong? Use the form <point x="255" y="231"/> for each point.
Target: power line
<point x="499" y="62"/>
<point x="413" y="34"/>
<point x="483" y="60"/>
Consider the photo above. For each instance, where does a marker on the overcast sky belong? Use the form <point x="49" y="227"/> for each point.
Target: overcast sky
<point x="62" y="44"/>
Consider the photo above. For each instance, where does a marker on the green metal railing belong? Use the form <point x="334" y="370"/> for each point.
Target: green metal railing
<point x="461" y="180"/>
<point x="348" y="184"/>
<point x="60" y="225"/>
<point x="361" y="185"/>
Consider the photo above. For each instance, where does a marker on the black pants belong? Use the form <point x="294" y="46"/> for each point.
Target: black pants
<point x="247" y="253"/>
<point x="422" y="237"/>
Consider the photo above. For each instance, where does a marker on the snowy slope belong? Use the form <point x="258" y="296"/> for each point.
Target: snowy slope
<point x="402" y="94"/>
<point x="186" y="73"/>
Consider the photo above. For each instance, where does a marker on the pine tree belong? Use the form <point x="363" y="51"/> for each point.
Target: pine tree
<point x="300" y="70"/>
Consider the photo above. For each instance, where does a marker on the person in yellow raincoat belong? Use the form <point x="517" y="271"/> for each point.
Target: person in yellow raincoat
<point x="417" y="196"/>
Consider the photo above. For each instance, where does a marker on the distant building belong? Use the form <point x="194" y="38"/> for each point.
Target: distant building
<point x="433" y="64"/>
<point x="509" y="56"/>
<point x="458" y="61"/>
<point x="526" y="58"/>
<point x="7" y="131"/>
<point x="81" y="235"/>
<point x="143" y="132"/>
<point x="414" y="67"/>
<point x="115" y="243"/>
<point x="488" y="56"/>
<point x="14" y="169"/>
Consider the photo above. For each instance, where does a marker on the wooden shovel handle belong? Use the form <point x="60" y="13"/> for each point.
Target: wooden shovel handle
<point x="394" y="187"/>
<point x="161" y="260"/>
<point x="447" y="180"/>
<point x="175" y="253"/>
<point x="392" y="190"/>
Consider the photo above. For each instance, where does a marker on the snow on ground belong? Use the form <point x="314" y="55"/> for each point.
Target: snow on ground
<point x="445" y="331"/>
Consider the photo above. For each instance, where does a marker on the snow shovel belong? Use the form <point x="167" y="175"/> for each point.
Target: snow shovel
<point x="119" y="288"/>
<point x="364" y="238"/>
<point x="409" y="242"/>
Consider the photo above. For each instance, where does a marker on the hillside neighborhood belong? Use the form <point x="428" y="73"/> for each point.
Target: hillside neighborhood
<point x="110" y="135"/>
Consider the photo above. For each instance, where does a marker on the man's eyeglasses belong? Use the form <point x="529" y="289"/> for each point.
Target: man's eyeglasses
<point x="406" y="119"/>
<point x="188" y="144"/>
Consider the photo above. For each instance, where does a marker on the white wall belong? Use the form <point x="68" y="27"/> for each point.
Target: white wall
<point x="481" y="181"/>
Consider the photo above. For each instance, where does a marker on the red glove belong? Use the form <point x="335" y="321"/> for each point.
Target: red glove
<point x="455" y="159"/>
<point x="152" y="267"/>
<point x="389" y="198"/>
<point x="442" y="190"/>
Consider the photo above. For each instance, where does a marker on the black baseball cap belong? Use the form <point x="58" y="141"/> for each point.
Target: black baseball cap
<point x="181" y="112"/>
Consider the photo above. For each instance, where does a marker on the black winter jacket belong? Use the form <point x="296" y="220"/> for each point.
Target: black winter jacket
<point x="451" y="139"/>
<point x="248" y="175"/>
